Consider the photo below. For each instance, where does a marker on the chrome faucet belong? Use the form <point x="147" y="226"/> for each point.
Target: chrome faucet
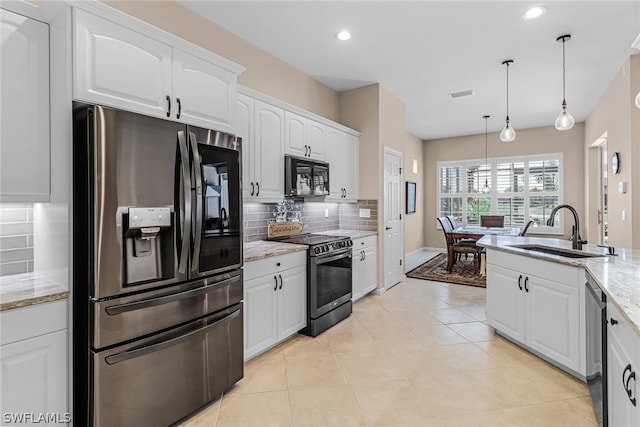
<point x="575" y="238"/>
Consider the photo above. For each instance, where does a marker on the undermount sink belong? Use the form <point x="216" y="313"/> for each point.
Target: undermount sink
<point x="557" y="251"/>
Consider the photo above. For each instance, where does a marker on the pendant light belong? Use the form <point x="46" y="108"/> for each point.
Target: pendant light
<point x="565" y="120"/>
<point x="486" y="189"/>
<point x="507" y="134"/>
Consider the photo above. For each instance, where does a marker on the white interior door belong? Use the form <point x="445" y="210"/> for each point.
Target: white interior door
<point x="392" y="217"/>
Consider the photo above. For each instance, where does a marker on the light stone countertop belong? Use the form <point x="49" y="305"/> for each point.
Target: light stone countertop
<point x="618" y="276"/>
<point x="264" y="249"/>
<point x="21" y="290"/>
<point x="354" y="234"/>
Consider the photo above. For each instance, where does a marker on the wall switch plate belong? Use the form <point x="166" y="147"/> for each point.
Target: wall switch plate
<point x="622" y="187"/>
<point x="326" y="213"/>
<point x="365" y="213"/>
<point x="624" y="215"/>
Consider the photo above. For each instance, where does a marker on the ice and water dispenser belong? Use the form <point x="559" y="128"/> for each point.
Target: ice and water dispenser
<point x="149" y="245"/>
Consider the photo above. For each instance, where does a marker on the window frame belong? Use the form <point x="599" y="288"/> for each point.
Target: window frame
<point x="492" y="163"/>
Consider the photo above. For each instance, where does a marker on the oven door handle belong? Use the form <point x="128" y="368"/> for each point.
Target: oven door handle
<point x="132" y="354"/>
<point x="197" y="173"/>
<point x="332" y="257"/>
<point x="152" y="302"/>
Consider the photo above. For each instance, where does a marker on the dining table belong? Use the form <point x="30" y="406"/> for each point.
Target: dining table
<point x="476" y="232"/>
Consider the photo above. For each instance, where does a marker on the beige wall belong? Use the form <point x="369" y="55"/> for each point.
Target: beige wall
<point x="528" y="141"/>
<point x="611" y="116"/>
<point x="359" y="109"/>
<point x="414" y="223"/>
<point x="264" y="72"/>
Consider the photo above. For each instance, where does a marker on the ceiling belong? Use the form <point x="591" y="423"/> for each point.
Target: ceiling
<point x="423" y="50"/>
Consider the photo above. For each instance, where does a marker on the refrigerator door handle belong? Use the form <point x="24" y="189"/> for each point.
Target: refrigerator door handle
<point x="183" y="255"/>
<point x="152" y="302"/>
<point x="131" y="354"/>
<point x="198" y="219"/>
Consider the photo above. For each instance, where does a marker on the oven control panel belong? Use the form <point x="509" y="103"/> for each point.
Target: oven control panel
<point x="331" y="246"/>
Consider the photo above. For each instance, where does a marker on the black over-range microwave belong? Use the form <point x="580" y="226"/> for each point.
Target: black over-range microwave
<point x="305" y="178"/>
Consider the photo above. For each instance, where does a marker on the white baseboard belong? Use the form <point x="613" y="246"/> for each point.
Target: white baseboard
<point x="428" y="249"/>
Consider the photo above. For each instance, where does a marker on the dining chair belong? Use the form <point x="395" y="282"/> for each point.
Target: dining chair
<point x="458" y="247"/>
<point x="526" y="227"/>
<point x="491" y="220"/>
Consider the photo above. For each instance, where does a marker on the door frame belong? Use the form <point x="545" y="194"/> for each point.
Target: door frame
<point x="388" y="150"/>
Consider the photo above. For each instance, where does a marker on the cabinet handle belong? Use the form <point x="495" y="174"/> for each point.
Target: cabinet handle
<point x="179" y="108"/>
<point x="276" y="279"/>
<point x="364" y="255"/>
<point x="625" y="383"/>
<point x="526" y="281"/>
<point x="168" y="106"/>
<point x="253" y="188"/>
<point x="258" y="189"/>
<point x="280" y="276"/>
<point x="613" y="321"/>
<point x="520" y="282"/>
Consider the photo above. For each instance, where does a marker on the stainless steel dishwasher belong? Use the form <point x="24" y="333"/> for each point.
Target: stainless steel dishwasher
<point x="596" y="307"/>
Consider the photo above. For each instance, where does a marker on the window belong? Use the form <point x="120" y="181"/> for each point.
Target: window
<point x="522" y="188"/>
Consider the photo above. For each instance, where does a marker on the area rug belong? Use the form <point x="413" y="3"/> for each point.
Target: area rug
<point x="436" y="269"/>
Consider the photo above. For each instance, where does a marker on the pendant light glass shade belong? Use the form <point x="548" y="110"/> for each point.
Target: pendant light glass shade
<point x="486" y="189"/>
<point x="508" y="134"/>
<point x="565" y="120"/>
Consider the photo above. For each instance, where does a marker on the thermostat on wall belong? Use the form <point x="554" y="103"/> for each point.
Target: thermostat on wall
<point x="622" y="187"/>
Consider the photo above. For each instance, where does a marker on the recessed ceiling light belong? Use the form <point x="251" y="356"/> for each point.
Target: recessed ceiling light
<point x="343" y="35"/>
<point x="533" y="13"/>
<point x="462" y="93"/>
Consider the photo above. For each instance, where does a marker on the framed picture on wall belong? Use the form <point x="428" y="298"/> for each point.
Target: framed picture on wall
<point x="411" y="197"/>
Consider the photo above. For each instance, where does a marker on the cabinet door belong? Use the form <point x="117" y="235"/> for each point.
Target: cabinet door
<point x="552" y="319"/>
<point x="292" y="301"/>
<point x="33" y="375"/>
<point x="268" y="153"/>
<point x="370" y="269"/>
<point x="316" y="139"/>
<point x="245" y="131"/>
<point x="357" y="272"/>
<point x="295" y="135"/>
<point x="204" y="94"/>
<point x="337" y="157"/>
<point x="24" y="110"/>
<point x="352" y="170"/>
<point x="506" y="302"/>
<point x="121" y="68"/>
<point x="260" y="314"/>
<point x="621" y="410"/>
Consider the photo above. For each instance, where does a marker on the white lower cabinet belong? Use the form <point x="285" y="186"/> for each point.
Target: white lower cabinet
<point x="33" y="365"/>
<point x="537" y="303"/>
<point x="275" y="300"/>
<point x="623" y="370"/>
<point x="365" y="270"/>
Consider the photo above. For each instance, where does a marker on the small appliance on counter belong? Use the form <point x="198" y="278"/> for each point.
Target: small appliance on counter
<point x="157" y="278"/>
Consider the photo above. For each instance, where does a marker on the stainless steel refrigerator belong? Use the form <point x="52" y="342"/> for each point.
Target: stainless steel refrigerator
<point x="157" y="279"/>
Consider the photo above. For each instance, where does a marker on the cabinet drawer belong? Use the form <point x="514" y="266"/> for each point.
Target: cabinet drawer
<point x="623" y="332"/>
<point x="364" y="242"/>
<point x="27" y="322"/>
<point x="545" y="269"/>
<point x="274" y="264"/>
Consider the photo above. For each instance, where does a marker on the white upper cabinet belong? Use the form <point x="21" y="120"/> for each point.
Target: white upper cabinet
<point x="24" y="109"/>
<point x="343" y="158"/>
<point x="125" y="67"/>
<point x="303" y="137"/>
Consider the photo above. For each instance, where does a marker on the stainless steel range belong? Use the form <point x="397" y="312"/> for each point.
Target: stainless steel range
<point x="329" y="279"/>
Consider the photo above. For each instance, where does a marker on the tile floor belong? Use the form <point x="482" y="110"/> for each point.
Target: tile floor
<point x="418" y="355"/>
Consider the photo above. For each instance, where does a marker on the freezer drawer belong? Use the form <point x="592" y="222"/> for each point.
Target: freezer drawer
<point x="122" y="319"/>
<point x="159" y="380"/>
